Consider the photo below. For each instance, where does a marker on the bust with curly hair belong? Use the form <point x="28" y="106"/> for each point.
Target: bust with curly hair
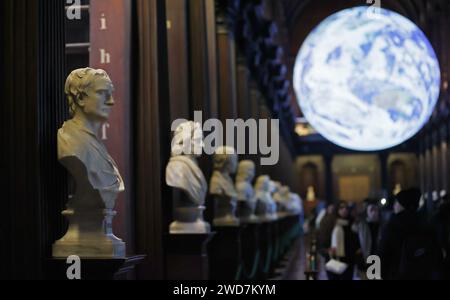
<point x="222" y="187"/>
<point x="186" y="178"/>
<point x="95" y="173"/>
<point x="245" y="191"/>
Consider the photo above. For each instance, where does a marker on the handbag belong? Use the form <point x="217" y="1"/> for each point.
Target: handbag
<point x="336" y="267"/>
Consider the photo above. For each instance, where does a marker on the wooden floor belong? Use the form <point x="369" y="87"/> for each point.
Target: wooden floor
<point x="297" y="262"/>
<point x="296" y="270"/>
<point x="292" y="267"/>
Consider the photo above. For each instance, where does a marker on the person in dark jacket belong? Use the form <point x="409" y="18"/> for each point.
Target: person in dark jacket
<point x="441" y="223"/>
<point x="369" y="233"/>
<point x="403" y="227"/>
<point x="325" y="229"/>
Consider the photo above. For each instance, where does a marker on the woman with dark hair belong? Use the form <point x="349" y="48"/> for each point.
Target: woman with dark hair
<point x="326" y="229"/>
<point x="344" y="243"/>
<point x="369" y="234"/>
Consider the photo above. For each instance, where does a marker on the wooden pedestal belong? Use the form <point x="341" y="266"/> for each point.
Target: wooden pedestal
<point x="187" y="256"/>
<point x="225" y="253"/>
<point x="95" y="269"/>
<point x="266" y="247"/>
<point x="251" y="254"/>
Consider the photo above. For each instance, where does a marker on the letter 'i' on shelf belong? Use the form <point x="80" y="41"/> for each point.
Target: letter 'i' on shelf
<point x="103" y="22"/>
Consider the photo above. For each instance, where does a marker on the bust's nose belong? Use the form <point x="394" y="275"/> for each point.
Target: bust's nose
<point x="110" y="101"/>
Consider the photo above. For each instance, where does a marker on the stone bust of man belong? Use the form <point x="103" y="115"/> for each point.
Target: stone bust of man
<point x="89" y="94"/>
<point x="98" y="182"/>
<point x="282" y="198"/>
<point x="184" y="174"/>
<point x="295" y="205"/>
<point x="222" y="187"/>
<point x="246" y="194"/>
<point x="277" y="194"/>
<point x="266" y="208"/>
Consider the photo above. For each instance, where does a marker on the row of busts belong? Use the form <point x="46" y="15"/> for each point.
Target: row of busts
<point x="266" y="200"/>
<point x="236" y="201"/>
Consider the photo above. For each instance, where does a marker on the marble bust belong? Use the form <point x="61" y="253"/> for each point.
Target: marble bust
<point x="98" y="182"/>
<point x="222" y="188"/>
<point x="245" y="192"/>
<point x="275" y="187"/>
<point x="185" y="176"/>
<point x="282" y="198"/>
<point x="295" y="205"/>
<point x="266" y="208"/>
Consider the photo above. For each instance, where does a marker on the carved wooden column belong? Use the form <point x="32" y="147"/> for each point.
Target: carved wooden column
<point x="436" y="164"/>
<point x="446" y="57"/>
<point x="227" y="66"/>
<point x="422" y="173"/>
<point x="328" y="160"/>
<point x="443" y="176"/>
<point x="34" y="185"/>
<point x="180" y="71"/>
<point x="211" y="35"/>
<point x="192" y="57"/>
<point x="203" y="64"/>
<point x="428" y="170"/>
<point x="384" y="171"/>
<point x="243" y="99"/>
<point x="255" y="99"/>
<point x="445" y="92"/>
<point x="243" y="89"/>
<point x="443" y="43"/>
<point x="178" y="58"/>
<point x="447" y="179"/>
<point x="203" y="76"/>
<point x="153" y="136"/>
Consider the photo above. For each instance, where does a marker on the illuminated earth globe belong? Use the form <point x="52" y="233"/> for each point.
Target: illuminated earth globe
<point x="367" y="81"/>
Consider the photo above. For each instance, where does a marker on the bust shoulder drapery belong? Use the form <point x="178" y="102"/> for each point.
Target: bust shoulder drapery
<point x="183" y="173"/>
<point x="75" y="141"/>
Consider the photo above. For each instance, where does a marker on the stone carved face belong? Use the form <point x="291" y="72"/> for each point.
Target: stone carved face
<point x="226" y="160"/>
<point x="263" y="184"/>
<point x="275" y="186"/>
<point x="246" y="171"/>
<point x="285" y="191"/>
<point x="89" y="93"/>
<point x="99" y="101"/>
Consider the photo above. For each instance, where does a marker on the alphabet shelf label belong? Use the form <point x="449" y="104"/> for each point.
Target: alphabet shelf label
<point x="110" y="50"/>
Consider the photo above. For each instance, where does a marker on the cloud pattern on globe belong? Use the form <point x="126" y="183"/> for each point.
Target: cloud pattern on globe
<point x="367" y="81"/>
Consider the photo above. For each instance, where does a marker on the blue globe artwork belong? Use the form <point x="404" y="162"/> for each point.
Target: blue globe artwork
<point x="365" y="80"/>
